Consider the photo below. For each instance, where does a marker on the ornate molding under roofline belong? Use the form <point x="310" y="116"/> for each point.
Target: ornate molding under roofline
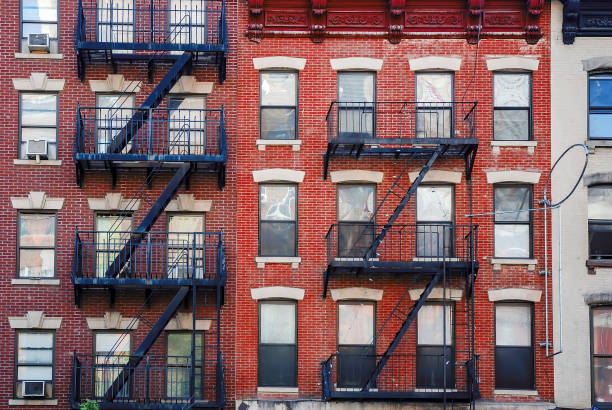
<point x="584" y="18"/>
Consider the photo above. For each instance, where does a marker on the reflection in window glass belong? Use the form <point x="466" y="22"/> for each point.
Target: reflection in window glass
<point x="187" y="126"/>
<point x="185" y="245"/>
<point x="278" y="103"/>
<point x="600" y="221"/>
<point x="277" y="323"/>
<point x="39" y="17"/>
<point x="600" y="106"/>
<point x="434" y="105"/>
<point x="36" y="245"/>
<point x="112" y="114"/>
<point x="112" y="232"/>
<point x="277" y="359"/>
<point x="602" y="351"/>
<point x="512" y="325"/>
<point x="514" y="367"/>
<point x="355" y="228"/>
<point x="178" y="370"/>
<point x="434" y="221"/>
<point x="429" y="325"/>
<point x="355" y="104"/>
<point x="35" y="360"/>
<point x="189" y="22"/>
<point x="277" y="220"/>
<point x="38" y="118"/>
<point x="512" y="227"/>
<point x="111" y="350"/>
<point x="355" y="323"/>
<point x="512" y="106"/>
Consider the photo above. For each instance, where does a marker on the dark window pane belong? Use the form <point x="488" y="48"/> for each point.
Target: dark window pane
<point x="600" y="240"/>
<point x="512" y="198"/>
<point x="178" y="371"/>
<point x="355" y="120"/>
<point x="277" y="238"/>
<point x="277" y="365"/>
<point x="430" y="363"/>
<point x="602" y="379"/>
<point x="511" y="124"/>
<point x="600" y="202"/>
<point x="514" y="368"/>
<point x="355" y="365"/>
<point x="355" y="239"/>
<point x="433" y="122"/>
<point x="602" y="331"/>
<point x="278" y="123"/>
<point x="600" y="91"/>
<point x="600" y="125"/>
<point x="434" y="240"/>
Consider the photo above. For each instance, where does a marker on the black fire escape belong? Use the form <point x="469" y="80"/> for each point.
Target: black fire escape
<point x="152" y="141"/>
<point x="429" y="256"/>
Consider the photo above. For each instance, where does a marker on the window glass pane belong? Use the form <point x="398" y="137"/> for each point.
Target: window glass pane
<point x="512" y="241"/>
<point x="511" y="90"/>
<point x="434" y="87"/>
<point x="354" y="239"/>
<point x="434" y="203"/>
<point x="35" y="356"/>
<point x="429" y="325"/>
<point x="433" y="123"/>
<point x="355" y="324"/>
<point x="117" y="343"/>
<point x="186" y="223"/>
<point x="115" y="11"/>
<point x="277" y="323"/>
<point x="35" y="373"/>
<point x="277" y="202"/>
<point x="36" y="263"/>
<point x="278" y="89"/>
<point x="39" y="109"/>
<point x="512" y="198"/>
<point x="278" y="123"/>
<point x="356" y="87"/>
<point x="512" y="325"/>
<point x="113" y="223"/>
<point x="602" y="331"/>
<point x="179" y="344"/>
<point x="355" y="202"/>
<point x="511" y="124"/>
<point x="39" y="28"/>
<point x="600" y="125"/>
<point x="600" y="240"/>
<point x="600" y="202"/>
<point x="36" y="340"/>
<point x="36" y="230"/>
<point x="600" y="91"/>
<point x="602" y="379"/>
<point x="40" y="10"/>
<point x="277" y="239"/>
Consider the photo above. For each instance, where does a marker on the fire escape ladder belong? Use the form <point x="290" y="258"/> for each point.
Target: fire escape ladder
<point x="410" y="317"/>
<point x="371" y="252"/>
<point x="159" y="326"/>
<point x="125" y="135"/>
<point x="148" y="221"/>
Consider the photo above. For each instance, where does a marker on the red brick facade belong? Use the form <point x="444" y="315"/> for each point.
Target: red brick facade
<point x="235" y="208"/>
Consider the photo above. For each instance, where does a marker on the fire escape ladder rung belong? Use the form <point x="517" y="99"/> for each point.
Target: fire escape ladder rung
<point x="125" y="135"/>
<point x="402" y="331"/>
<point x="148" y="221"/>
<point x="129" y="368"/>
<point x="371" y="252"/>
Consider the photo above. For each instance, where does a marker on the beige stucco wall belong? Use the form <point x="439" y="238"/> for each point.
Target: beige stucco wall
<point x="569" y="126"/>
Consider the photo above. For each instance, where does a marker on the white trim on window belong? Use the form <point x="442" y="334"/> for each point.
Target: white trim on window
<point x="38" y="82"/>
<point x="513" y="63"/>
<point x="277" y="292"/>
<point x="278" y="175"/>
<point x="438" y="176"/>
<point x="115" y="83"/>
<point x="35" y="320"/>
<point x="356" y="293"/>
<point x="525" y="177"/>
<point x="113" y="201"/>
<point x="356" y="175"/>
<point x="279" y="62"/>
<point x="529" y="295"/>
<point x="188" y="84"/>
<point x="188" y="203"/>
<point x="37" y="200"/>
<point x="437" y="293"/>
<point x="435" y="63"/>
<point x="356" y="64"/>
<point x="112" y="320"/>
<point x="184" y="321"/>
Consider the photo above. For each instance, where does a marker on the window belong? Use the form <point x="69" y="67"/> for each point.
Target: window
<point x="278" y="105"/>
<point x="434" y="221"/>
<point x="356" y="229"/>
<point x="513" y="229"/>
<point x="511" y="106"/>
<point x="112" y="113"/>
<point x="600" y="106"/>
<point x="35" y="355"/>
<point x="185" y="14"/>
<point x="39" y="17"/>
<point x="435" y="346"/>
<point x="514" y="346"/>
<point x="277" y="220"/>
<point x="115" y="21"/>
<point x="186" y="245"/>
<point x="178" y="368"/>
<point x="600" y="222"/>
<point x="112" y="352"/>
<point x="277" y="343"/>
<point x="356" y="96"/>
<point x="187" y="125"/>
<point x="112" y="232"/>
<point x="601" y="360"/>
<point x="434" y="95"/>
<point x="36" y="234"/>
<point x="356" y="344"/>
<point x="38" y="121"/>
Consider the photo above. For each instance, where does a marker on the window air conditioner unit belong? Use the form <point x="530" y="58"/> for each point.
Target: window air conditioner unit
<point x="38" y="42"/>
<point x="31" y="388"/>
<point x="37" y="148"/>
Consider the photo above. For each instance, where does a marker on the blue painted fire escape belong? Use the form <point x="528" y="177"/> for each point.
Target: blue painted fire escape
<point x="158" y="140"/>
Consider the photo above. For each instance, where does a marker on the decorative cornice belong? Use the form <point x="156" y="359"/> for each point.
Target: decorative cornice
<point x="278" y="175"/>
<point x="356" y="63"/>
<point x="35" y="320"/>
<point x="115" y="83"/>
<point x="526" y="177"/>
<point x="435" y="63"/>
<point x="112" y="320"/>
<point x="279" y="62"/>
<point x="188" y="203"/>
<point x="188" y="84"/>
<point x="356" y="294"/>
<point x="533" y="31"/>
<point x="586" y="18"/>
<point x="529" y="295"/>
<point x="277" y="292"/>
<point x="37" y="200"/>
<point x="38" y="82"/>
<point x="356" y="175"/>
<point x="113" y="201"/>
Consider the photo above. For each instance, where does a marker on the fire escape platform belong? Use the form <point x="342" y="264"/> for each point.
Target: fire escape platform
<point x="370" y="267"/>
<point x="357" y="394"/>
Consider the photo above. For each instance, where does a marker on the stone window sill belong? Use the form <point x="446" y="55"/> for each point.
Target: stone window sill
<point x="498" y="262"/>
<point x="278" y="390"/>
<point x="496" y="146"/>
<point x="503" y="392"/>
<point x="293" y="260"/>
<point x="30" y="402"/>
<point x="603" y="143"/>
<point x="36" y="281"/>
<point x="421" y="390"/>
<point x="42" y="162"/>
<point x="434" y="259"/>
<point x="41" y="56"/>
<point x="294" y="144"/>
<point x="592" y="264"/>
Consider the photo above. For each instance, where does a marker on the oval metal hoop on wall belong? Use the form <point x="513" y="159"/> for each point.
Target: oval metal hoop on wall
<point x="586" y="162"/>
